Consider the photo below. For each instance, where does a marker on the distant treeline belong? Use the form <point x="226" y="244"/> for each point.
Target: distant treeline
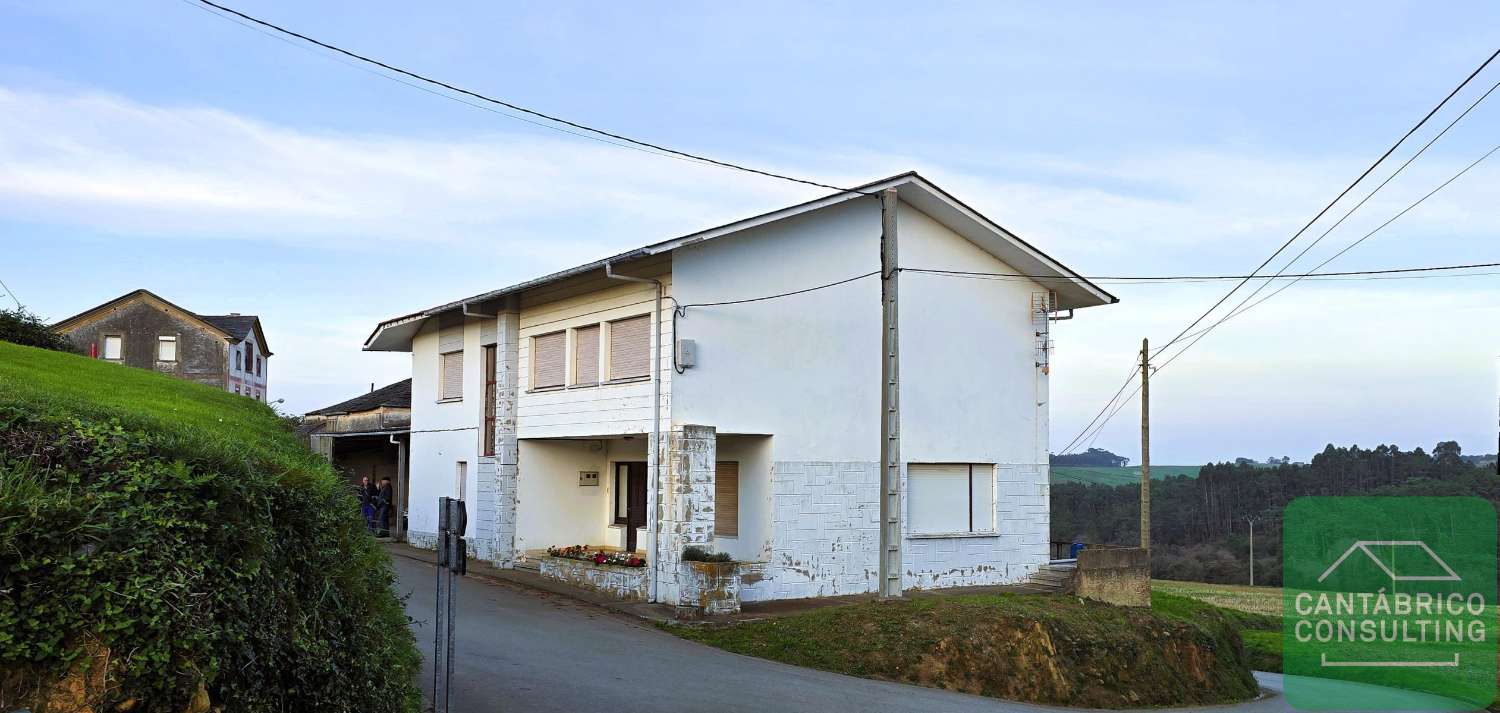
<point x="1199" y="530"/>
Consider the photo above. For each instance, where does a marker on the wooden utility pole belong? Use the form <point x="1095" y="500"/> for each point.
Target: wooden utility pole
<point x="1145" y="445"/>
<point x="890" y="412"/>
<point x="1251" y="519"/>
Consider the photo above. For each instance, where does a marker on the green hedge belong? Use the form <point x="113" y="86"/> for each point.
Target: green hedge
<point x="241" y="568"/>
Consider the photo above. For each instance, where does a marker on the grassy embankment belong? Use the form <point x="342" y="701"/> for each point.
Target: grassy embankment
<point x="1046" y="649"/>
<point x="166" y="545"/>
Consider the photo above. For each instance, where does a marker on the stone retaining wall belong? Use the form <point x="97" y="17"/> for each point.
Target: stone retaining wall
<point x="1120" y="576"/>
<point x="624" y="583"/>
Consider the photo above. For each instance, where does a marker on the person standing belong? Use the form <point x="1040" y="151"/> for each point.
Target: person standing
<point x="384" y="499"/>
<point x="367" y="493"/>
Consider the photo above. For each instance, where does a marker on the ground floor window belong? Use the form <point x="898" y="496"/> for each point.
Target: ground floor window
<point x="950" y="497"/>
<point x="727" y="499"/>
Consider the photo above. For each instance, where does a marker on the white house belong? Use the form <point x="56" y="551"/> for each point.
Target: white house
<point x="539" y="403"/>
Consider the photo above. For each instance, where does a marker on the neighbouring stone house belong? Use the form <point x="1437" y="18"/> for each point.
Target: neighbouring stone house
<point x="723" y="389"/>
<point x="141" y="329"/>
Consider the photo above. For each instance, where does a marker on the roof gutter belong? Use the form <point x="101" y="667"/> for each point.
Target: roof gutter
<point x="654" y="456"/>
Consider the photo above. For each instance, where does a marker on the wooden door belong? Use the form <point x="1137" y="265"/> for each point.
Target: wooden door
<point x="630" y="479"/>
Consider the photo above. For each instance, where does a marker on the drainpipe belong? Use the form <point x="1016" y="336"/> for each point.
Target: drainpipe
<point x="655" y="499"/>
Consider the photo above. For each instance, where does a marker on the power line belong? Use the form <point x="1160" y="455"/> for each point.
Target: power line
<point x="13" y="296"/>
<point x="1357" y="206"/>
<point x="683" y="308"/>
<point x="1241" y="309"/>
<point x="1202" y="278"/>
<point x="555" y="120"/>
<point x="1336" y="199"/>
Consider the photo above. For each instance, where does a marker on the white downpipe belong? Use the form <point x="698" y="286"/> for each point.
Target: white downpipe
<point x="653" y="500"/>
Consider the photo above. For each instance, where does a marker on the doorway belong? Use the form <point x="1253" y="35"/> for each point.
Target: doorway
<point x="630" y="499"/>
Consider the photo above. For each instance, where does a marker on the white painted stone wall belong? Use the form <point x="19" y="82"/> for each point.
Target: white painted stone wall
<point x="686" y="504"/>
<point x="625" y="583"/>
<point x="825" y="518"/>
<point x="1016" y="550"/>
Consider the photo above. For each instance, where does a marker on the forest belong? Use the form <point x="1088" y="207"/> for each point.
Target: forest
<point x="1200" y="526"/>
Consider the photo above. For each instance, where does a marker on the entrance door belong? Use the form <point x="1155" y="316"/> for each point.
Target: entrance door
<point x="630" y="499"/>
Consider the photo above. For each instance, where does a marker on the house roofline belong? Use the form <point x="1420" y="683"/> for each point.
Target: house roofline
<point x="84" y="316"/>
<point x="865" y="190"/>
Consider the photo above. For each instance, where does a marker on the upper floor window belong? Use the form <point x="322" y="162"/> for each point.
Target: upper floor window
<point x="630" y="347"/>
<point x="944" y="498"/>
<point x="586" y="355"/>
<point x="548" y="365"/>
<point x="488" y="432"/>
<point x="114" y="346"/>
<point x="451" y="376"/>
<point x="259" y="366"/>
<point x="166" y="348"/>
<point x="239" y="364"/>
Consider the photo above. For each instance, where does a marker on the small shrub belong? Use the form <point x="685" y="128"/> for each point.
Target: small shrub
<point x="694" y="553"/>
<point x="19" y="326"/>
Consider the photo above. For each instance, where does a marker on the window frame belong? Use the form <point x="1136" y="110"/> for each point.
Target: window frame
<point x="104" y="347"/>
<point x="488" y="433"/>
<point x="973" y="530"/>
<point x="717" y="511"/>
<point x="167" y="339"/>
<point x="532" y="361"/>
<point x="606" y="337"/>
<point x="572" y="343"/>
<point x="443" y="396"/>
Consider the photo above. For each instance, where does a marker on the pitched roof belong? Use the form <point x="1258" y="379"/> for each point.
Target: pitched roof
<point x="397" y="395"/>
<point x="233" y="327"/>
<point x="1073" y="290"/>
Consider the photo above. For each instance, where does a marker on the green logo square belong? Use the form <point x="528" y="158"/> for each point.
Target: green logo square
<point x="1389" y="603"/>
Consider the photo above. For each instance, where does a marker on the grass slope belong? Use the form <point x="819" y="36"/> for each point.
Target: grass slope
<point x="1045" y="649"/>
<point x="164" y="542"/>
<point x="1128" y="475"/>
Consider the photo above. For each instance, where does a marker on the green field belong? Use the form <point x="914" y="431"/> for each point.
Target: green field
<point x="1105" y="475"/>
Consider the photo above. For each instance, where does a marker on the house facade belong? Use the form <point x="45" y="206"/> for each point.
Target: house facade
<point x="697" y="392"/>
<point x="143" y="330"/>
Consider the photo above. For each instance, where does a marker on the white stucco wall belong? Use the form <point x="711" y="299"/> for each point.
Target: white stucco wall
<point x="434" y="455"/>
<point x="805" y="368"/>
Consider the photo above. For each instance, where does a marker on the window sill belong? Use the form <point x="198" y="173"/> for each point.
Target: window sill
<point x="626" y="380"/>
<point x="591" y="385"/>
<point x="449" y="401"/>
<point x="546" y="389"/>
<point x="949" y="535"/>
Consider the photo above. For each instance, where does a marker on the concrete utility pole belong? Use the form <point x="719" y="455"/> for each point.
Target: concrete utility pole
<point x="890" y="412"/>
<point x="1145" y="445"/>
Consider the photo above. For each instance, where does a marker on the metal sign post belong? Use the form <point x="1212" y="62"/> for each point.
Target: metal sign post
<point x="453" y="559"/>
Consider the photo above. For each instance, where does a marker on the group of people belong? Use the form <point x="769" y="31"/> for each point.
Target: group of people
<point x="376" y="503"/>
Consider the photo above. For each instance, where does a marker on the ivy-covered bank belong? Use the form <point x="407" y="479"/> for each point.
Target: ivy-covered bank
<point x="165" y="546"/>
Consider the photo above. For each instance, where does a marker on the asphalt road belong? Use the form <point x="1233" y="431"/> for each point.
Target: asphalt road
<point x="520" y="651"/>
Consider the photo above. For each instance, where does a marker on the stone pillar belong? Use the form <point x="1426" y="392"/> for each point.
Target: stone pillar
<point x="507" y="447"/>
<point x="686" y="514"/>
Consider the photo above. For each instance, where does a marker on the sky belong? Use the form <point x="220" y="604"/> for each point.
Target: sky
<point x="154" y="144"/>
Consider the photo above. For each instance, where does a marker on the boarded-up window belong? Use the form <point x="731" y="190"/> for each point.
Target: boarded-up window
<point x="452" y="376"/>
<point x="630" y="347"/>
<point x="113" y="346"/>
<point x="950" y="497"/>
<point x="166" y="348"/>
<point x="727" y="499"/>
<point x="586" y="355"/>
<point x="547" y="354"/>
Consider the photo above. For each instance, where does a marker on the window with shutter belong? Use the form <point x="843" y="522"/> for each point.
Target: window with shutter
<point x="166" y="348"/>
<point x="548" y="352"/>
<point x="950" y="497"/>
<point x="630" y="348"/>
<point x="114" y="346"/>
<point x="488" y="433"/>
<point x="452" y="376"/>
<point x="586" y="355"/>
<point x="727" y="499"/>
